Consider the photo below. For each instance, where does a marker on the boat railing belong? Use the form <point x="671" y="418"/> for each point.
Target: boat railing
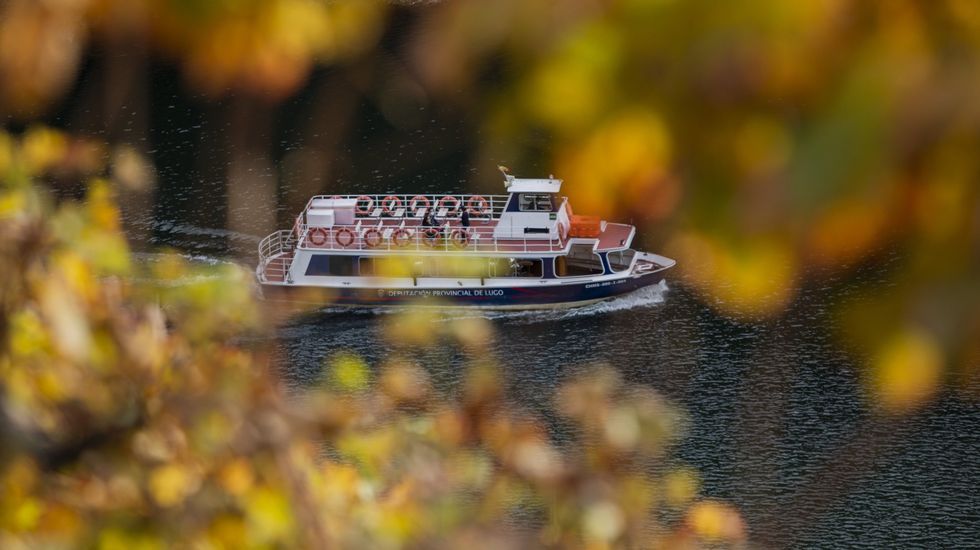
<point x="276" y="255"/>
<point x="413" y="239"/>
<point x="443" y="207"/>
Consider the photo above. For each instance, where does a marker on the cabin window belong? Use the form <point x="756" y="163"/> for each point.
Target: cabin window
<point x="449" y="266"/>
<point x="579" y="261"/>
<point x="425" y="267"/>
<point x="620" y="260"/>
<point x="368" y="267"/>
<point x="331" y="266"/>
<point x="515" y="267"/>
<point x="536" y="202"/>
<point x="459" y="266"/>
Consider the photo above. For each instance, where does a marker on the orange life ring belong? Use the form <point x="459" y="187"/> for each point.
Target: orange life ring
<point x="452" y="199"/>
<point x="413" y="204"/>
<point x="390" y="203"/>
<point x="400" y="237"/>
<point x="460" y="238"/>
<point x="318" y="236"/>
<point x="430" y="236"/>
<point x="366" y="209"/>
<point x="348" y="237"/>
<point x="477" y="205"/>
<point x="372" y="237"/>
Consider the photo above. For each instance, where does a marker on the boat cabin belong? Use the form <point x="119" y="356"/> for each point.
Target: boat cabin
<point x="533" y="208"/>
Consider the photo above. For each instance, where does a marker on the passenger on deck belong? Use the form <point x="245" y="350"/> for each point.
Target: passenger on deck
<point x="465" y="218"/>
<point x="437" y="224"/>
<point x="429" y="220"/>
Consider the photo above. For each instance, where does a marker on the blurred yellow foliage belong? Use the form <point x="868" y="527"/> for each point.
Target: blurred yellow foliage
<point x="762" y="148"/>
<point x="267" y="48"/>
<point x="40" y="46"/>
<point x="628" y="156"/>
<point x="270" y="518"/>
<point x="750" y="280"/>
<point x="846" y="230"/>
<point x="570" y="89"/>
<point x="907" y="371"/>
<point x="349" y="372"/>
<point x="715" y="521"/>
<point x="784" y="142"/>
<point x="170" y="484"/>
<point x="680" y="487"/>
<point x="6" y="152"/>
<point x="42" y="148"/>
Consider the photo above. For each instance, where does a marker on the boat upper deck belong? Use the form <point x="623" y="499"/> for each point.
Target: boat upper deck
<point x="396" y="224"/>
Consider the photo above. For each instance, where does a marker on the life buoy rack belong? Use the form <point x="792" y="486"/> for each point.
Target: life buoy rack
<point x="413" y="204"/>
<point x="447" y="199"/>
<point x="460" y="238"/>
<point x="430" y="236"/>
<point x="318" y="236"/>
<point x="477" y="205"/>
<point x="364" y="209"/>
<point x="344" y="237"/>
<point x="372" y="237"/>
<point x="390" y="204"/>
<point x="401" y="237"/>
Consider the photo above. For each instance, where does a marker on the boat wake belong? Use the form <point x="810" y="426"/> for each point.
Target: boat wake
<point x="195" y="231"/>
<point x="643" y="298"/>
<point x="147" y="258"/>
<point x="200" y="261"/>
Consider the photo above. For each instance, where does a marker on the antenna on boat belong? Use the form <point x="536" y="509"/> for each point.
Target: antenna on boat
<point x="508" y="179"/>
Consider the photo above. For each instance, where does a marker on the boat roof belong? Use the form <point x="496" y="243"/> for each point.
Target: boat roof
<point x="532" y="185"/>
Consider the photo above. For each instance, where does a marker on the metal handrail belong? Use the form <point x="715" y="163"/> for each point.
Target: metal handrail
<point x="411" y="208"/>
<point x="446" y="238"/>
<point x="274" y="254"/>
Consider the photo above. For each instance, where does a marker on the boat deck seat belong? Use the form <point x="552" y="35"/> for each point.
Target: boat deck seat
<point x="442" y="212"/>
<point x="399" y="213"/>
<point x="376" y="213"/>
<point x="420" y="213"/>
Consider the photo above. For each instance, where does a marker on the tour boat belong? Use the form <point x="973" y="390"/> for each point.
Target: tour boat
<point x="521" y="250"/>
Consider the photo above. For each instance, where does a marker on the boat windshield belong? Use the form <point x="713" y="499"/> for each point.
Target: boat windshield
<point x="620" y="260"/>
<point x="579" y="261"/>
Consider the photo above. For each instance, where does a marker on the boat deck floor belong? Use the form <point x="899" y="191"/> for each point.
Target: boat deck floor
<point x="616" y="235"/>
